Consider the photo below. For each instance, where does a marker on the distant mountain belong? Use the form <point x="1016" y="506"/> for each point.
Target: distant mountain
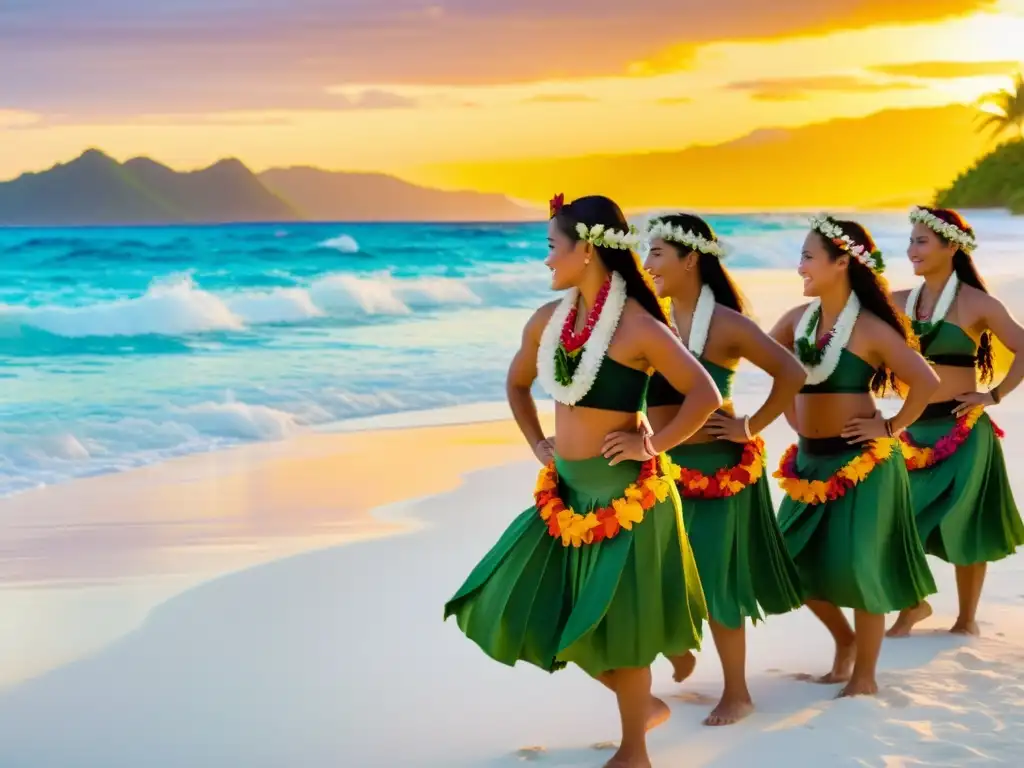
<point x="226" y="191"/>
<point x="95" y="189"/>
<point x="336" y="196"/>
<point x="893" y="155"/>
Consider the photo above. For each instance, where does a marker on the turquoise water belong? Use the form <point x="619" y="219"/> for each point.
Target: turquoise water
<point x="124" y="346"/>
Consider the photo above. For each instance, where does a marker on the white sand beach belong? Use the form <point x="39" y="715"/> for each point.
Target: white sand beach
<point x="279" y="606"/>
<point x="338" y="657"/>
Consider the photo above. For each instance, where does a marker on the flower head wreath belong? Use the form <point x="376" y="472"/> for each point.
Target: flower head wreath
<point x="828" y="228"/>
<point x="599" y="234"/>
<point x="659" y="229"/>
<point x="950" y="232"/>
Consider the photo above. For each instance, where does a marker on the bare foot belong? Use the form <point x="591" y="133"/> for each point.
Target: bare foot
<point x="682" y="666"/>
<point x="730" y="711"/>
<point x="908" y="618"/>
<point x="659" y="713"/>
<point x="856" y="687"/>
<point x="842" y="667"/>
<point x="966" y="628"/>
<point x="628" y="760"/>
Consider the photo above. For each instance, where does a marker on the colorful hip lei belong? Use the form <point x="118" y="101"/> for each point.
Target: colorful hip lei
<point x="728" y="481"/>
<point x="847" y="476"/>
<point x="574" y="529"/>
<point x="923" y="456"/>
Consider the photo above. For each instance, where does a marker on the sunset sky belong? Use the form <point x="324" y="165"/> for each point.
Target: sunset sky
<point x="346" y="84"/>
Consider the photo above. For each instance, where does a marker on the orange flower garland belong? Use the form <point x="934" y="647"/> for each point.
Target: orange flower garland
<point x="846" y="477"/>
<point x="602" y="523"/>
<point x="922" y="457"/>
<point x="728" y="481"/>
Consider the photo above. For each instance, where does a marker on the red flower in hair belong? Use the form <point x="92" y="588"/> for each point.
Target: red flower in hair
<point x="556" y="205"/>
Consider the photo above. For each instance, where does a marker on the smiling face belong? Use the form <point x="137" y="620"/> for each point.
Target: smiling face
<point x="567" y="258"/>
<point x="667" y="268"/>
<point x="927" y="251"/>
<point x="817" y="268"/>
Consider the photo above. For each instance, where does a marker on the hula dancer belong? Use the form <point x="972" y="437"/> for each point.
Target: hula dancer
<point x="964" y="506"/>
<point x="847" y="515"/>
<point x="744" y="566"/>
<point x="599" y="571"/>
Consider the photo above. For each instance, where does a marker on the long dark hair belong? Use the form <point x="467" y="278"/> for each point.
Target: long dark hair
<point x="712" y="273"/>
<point x="966" y="272"/>
<point x="596" y="209"/>
<point x="873" y="292"/>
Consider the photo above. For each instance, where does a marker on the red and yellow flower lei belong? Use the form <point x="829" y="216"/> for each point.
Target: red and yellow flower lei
<point x="922" y="457"/>
<point x="602" y="523"/>
<point x="846" y="477"/>
<point x="728" y="481"/>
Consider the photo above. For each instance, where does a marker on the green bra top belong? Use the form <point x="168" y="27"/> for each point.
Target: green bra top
<point x="948" y="344"/>
<point x="617" y="387"/>
<point x="853" y="374"/>
<point x="661" y="392"/>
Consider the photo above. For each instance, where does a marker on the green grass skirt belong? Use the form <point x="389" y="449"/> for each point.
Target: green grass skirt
<point x="615" y="604"/>
<point x="745" y="568"/>
<point x="861" y="551"/>
<point x="963" y="505"/>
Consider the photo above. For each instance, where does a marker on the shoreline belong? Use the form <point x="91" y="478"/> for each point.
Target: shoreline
<point x="322" y="658"/>
<point x="119" y="545"/>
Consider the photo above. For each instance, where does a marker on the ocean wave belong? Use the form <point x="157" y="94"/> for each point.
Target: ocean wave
<point x="343" y="243"/>
<point x="177" y="306"/>
<point x="238" y="420"/>
<point x="171" y="307"/>
<point x="50" y="450"/>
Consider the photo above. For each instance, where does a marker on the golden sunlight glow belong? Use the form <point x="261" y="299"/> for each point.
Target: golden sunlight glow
<point x="679" y="97"/>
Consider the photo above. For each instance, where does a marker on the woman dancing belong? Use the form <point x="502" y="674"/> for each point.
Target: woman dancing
<point x="741" y="555"/>
<point x="847" y="516"/>
<point x="965" y="510"/>
<point x="599" y="572"/>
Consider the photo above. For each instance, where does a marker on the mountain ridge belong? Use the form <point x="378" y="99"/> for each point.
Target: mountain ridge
<point x="849" y="162"/>
<point x="94" y="189"/>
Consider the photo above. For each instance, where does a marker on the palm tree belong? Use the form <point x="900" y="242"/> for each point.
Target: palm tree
<point x="1004" y="110"/>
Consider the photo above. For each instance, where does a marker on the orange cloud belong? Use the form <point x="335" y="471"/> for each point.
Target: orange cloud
<point x="560" y="98"/>
<point x="798" y="88"/>
<point x="800" y="20"/>
<point x="113" y="57"/>
<point x="948" y="70"/>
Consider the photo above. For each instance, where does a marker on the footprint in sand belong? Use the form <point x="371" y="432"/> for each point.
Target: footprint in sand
<point x="972" y="660"/>
<point x="692" y="697"/>
<point x="895" y="698"/>
<point x="530" y="754"/>
<point x="803" y="677"/>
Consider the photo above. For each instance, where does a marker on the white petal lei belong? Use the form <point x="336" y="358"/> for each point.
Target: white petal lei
<point x="942" y="306"/>
<point x="700" y="324"/>
<point x="841" y="333"/>
<point x="593" y="352"/>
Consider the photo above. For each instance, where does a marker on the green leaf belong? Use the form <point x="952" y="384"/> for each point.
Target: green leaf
<point x="566" y="364"/>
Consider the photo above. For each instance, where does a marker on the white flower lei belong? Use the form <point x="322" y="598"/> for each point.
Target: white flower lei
<point x="841" y="333"/>
<point x="823" y="223"/>
<point x="949" y="231"/>
<point x="700" y="324"/>
<point x="593" y="353"/>
<point x="609" y="238"/>
<point x="659" y="229"/>
<point x="942" y="306"/>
